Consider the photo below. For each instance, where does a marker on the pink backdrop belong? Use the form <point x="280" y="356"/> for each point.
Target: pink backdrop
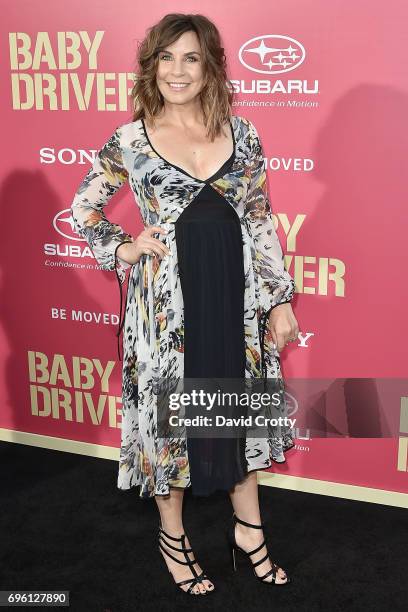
<point x="333" y="124"/>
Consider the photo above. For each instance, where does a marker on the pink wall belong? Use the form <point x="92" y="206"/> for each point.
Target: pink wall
<point x="334" y="131"/>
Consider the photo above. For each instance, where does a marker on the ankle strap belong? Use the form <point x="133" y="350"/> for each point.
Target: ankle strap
<point x="234" y="516"/>
<point x="187" y="562"/>
<point x="182" y="549"/>
<point x="171" y="537"/>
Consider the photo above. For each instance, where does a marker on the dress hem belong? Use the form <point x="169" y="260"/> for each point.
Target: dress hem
<point x="188" y="486"/>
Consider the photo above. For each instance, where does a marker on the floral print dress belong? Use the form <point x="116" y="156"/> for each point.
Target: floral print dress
<point x="153" y="320"/>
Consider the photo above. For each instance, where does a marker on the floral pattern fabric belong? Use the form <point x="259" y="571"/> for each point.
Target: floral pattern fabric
<point x="153" y="323"/>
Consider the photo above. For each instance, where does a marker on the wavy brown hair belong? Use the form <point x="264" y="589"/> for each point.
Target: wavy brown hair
<point x="216" y="96"/>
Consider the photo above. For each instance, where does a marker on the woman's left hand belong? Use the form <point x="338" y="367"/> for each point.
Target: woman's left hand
<point x="283" y="325"/>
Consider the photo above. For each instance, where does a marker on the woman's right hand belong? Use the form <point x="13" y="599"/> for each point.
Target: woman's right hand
<point x="131" y="252"/>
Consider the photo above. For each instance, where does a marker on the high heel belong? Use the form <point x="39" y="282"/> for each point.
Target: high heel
<point x="197" y="578"/>
<point x="233" y="546"/>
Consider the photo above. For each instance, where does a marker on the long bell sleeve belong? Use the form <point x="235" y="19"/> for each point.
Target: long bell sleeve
<point x="103" y="179"/>
<point x="275" y="284"/>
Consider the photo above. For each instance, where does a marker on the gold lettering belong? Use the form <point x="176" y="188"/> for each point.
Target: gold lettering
<point x="59" y="372"/>
<point x="35" y="392"/>
<point x="320" y="271"/>
<point x="402" y="463"/>
<point x="291" y="230"/>
<point x="61" y="398"/>
<point x="43" y="53"/>
<point x="404" y="415"/>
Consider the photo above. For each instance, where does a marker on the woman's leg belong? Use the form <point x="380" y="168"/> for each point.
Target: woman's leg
<point x="171" y="515"/>
<point x="244" y="498"/>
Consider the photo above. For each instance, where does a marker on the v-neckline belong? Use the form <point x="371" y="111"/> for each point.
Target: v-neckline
<point x="208" y="180"/>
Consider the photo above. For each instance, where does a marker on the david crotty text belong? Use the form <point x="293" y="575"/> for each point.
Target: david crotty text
<point x="220" y="421"/>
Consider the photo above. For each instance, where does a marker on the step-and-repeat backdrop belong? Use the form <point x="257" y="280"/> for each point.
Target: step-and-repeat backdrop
<point x="326" y="85"/>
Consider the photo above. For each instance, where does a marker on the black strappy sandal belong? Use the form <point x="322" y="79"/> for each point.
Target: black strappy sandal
<point x="234" y="546"/>
<point x="197" y="578"/>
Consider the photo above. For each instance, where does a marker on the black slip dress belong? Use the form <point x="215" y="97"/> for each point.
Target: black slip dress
<point x="211" y="267"/>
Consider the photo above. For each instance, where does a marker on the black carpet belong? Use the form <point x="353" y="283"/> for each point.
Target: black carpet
<point x="65" y="525"/>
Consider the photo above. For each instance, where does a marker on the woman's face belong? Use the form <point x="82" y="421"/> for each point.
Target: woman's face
<point x="179" y="72"/>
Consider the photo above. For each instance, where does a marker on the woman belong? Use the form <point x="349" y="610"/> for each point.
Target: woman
<point x="207" y="297"/>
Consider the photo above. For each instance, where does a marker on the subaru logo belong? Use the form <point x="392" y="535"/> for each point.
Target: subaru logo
<point x="64" y="224"/>
<point x="271" y="54"/>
